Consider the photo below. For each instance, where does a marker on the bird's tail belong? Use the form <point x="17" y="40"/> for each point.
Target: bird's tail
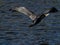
<point x="31" y="25"/>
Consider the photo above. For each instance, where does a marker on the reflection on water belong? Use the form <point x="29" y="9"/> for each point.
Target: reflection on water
<point x="14" y="28"/>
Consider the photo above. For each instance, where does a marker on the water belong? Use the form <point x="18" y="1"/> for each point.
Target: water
<point x="14" y="28"/>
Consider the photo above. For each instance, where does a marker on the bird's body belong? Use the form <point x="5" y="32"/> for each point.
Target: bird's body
<point x="36" y="19"/>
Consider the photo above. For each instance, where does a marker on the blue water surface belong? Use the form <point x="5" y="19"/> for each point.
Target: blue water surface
<point x="14" y="28"/>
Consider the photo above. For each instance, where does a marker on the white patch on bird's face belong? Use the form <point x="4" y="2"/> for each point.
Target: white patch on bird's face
<point x="47" y="14"/>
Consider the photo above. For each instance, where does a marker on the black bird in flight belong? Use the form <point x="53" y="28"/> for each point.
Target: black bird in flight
<point x="35" y="19"/>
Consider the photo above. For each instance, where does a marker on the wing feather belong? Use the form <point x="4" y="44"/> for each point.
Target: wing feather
<point x="26" y="12"/>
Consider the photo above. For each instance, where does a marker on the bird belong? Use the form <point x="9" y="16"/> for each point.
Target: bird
<point x="35" y="19"/>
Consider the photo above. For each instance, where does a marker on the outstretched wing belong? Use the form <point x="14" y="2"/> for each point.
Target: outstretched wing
<point x="51" y="10"/>
<point x="25" y="11"/>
